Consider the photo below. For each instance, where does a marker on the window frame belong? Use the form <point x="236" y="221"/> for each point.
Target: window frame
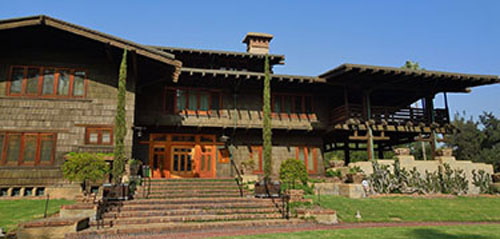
<point x="294" y="115"/>
<point x="187" y="91"/>
<point x="260" y="163"/>
<point x="306" y="150"/>
<point x="20" y="160"/>
<point x="41" y="70"/>
<point x="99" y="129"/>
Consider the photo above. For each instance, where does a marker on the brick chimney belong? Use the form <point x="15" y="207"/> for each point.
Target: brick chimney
<point x="258" y="43"/>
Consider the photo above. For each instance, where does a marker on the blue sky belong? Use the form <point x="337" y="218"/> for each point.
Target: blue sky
<point x="457" y="36"/>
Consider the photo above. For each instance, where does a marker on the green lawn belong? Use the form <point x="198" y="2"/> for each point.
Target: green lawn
<point x="440" y="232"/>
<point x="13" y="212"/>
<point x="414" y="209"/>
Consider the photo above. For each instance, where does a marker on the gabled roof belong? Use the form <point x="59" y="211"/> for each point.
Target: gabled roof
<point x="274" y="59"/>
<point x="380" y="76"/>
<point x="145" y="51"/>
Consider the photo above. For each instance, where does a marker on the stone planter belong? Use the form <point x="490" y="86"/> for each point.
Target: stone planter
<point x="355" y="178"/>
<point x="319" y="215"/>
<point x="495" y="187"/>
<point x="272" y="189"/>
<point x="336" y="163"/>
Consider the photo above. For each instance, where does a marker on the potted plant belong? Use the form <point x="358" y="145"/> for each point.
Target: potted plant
<point x="355" y="175"/>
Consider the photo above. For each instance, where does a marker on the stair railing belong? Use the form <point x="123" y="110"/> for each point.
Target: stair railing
<point x="239" y="178"/>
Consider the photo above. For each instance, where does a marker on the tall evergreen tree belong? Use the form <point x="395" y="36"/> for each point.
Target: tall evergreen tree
<point x="120" y="128"/>
<point x="266" y="129"/>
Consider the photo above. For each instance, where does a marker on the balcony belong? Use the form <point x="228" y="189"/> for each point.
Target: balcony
<point x="387" y="115"/>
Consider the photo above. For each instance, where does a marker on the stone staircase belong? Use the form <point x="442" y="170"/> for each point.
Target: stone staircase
<point x="167" y="207"/>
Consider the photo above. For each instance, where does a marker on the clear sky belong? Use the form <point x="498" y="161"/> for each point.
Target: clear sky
<point x="455" y="35"/>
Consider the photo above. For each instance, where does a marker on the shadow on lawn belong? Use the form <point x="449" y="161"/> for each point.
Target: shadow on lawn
<point x="436" y="234"/>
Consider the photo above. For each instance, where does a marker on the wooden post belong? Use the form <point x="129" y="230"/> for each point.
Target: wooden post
<point x="429" y="109"/>
<point x="380" y="151"/>
<point x="347" y="152"/>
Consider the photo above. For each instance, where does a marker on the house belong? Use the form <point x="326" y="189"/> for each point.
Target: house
<point x="191" y="112"/>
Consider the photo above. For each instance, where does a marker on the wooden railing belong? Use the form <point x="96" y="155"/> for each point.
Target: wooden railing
<point x="390" y="115"/>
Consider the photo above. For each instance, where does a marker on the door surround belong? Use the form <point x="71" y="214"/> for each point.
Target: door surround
<point x="199" y="149"/>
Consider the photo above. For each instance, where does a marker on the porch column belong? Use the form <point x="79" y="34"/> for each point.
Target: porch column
<point x="380" y="151"/>
<point x="429" y="109"/>
<point x="347" y="152"/>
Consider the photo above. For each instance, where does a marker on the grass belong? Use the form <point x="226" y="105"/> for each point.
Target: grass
<point x="13" y="212"/>
<point x="394" y="209"/>
<point x="434" y="232"/>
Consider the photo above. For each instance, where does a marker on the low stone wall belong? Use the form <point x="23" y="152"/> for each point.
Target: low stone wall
<point x="408" y="162"/>
<point x="350" y="190"/>
<point x="51" y="228"/>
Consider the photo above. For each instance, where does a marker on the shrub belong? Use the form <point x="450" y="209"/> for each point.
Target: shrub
<point x="446" y="180"/>
<point x="293" y="172"/>
<point x="333" y="173"/>
<point x="85" y="168"/>
<point x="482" y="180"/>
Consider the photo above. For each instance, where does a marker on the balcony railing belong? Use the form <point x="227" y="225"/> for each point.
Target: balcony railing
<point x="390" y="115"/>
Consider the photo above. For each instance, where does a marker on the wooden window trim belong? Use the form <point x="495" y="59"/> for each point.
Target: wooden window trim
<point x="293" y="114"/>
<point x="306" y="157"/>
<point x="260" y="164"/>
<point x="41" y="70"/>
<point x="187" y="91"/>
<point x="20" y="160"/>
<point x="99" y="130"/>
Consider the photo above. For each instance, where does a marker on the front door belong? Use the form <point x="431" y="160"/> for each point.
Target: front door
<point x="181" y="161"/>
<point x="205" y="161"/>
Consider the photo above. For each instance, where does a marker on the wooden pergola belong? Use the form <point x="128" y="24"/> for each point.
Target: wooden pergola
<point x="376" y="106"/>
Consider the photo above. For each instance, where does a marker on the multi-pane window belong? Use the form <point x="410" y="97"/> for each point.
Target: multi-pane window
<point x="29" y="149"/>
<point x="308" y="156"/>
<point x="292" y="104"/>
<point x="46" y="82"/>
<point x="191" y="101"/>
<point x="99" y="135"/>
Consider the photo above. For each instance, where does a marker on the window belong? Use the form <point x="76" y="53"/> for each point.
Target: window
<point x="28" y="149"/>
<point x="191" y="101"/>
<point x="256" y="155"/>
<point x="308" y="156"/>
<point x="46" y="82"/>
<point x="223" y="155"/>
<point x="99" y="135"/>
<point x="292" y="104"/>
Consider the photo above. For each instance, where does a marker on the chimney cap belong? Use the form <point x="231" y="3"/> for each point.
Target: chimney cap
<point x="257" y="35"/>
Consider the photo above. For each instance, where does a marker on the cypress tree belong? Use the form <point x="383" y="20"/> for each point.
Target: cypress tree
<point x="120" y="123"/>
<point x="266" y="129"/>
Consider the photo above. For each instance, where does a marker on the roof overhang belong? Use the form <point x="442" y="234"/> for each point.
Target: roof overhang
<point x="250" y="75"/>
<point x="139" y="49"/>
<point x="379" y="77"/>
<point x="274" y="59"/>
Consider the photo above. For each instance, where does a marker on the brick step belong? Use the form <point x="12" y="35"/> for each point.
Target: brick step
<point x="131" y="231"/>
<point x="191" y="195"/>
<point x="210" y="205"/>
<point x="197" y="211"/>
<point x="193" y="179"/>
<point x="232" y="183"/>
<point x="188" y="187"/>
<point x="190" y="218"/>
<point x="181" y="189"/>
<point x="192" y="200"/>
<point x="197" y="190"/>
